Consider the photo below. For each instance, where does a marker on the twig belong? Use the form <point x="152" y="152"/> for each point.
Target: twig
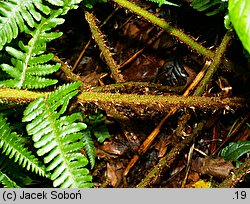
<point x="197" y="79"/>
<point x="236" y="177"/>
<point x="80" y="55"/>
<point x="189" y="161"/>
<point x="167" y="160"/>
<point x="141" y="50"/>
<point x="146" y="144"/>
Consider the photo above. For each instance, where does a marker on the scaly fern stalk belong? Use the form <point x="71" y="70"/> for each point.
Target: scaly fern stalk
<point x="165" y="25"/>
<point x="12" y="145"/>
<point x="215" y="63"/>
<point x="154" y="101"/>
<point x="59" y="138"/>
<point x="99" y="38"/>
<point x="29" y="63"/>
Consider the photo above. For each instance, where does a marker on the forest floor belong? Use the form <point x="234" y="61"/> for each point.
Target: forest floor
<point x="186" y="147"/>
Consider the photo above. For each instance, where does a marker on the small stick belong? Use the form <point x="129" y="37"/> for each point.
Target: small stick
<point x="197" y="79"/>
<point x="141" y="50"/>
<point x="81" y="54"/>
<point x="146" y="144"/>
<point x="189" y="161"/>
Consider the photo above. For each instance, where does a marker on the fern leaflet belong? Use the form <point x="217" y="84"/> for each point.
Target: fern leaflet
<point x="89" y="146"/>
<point x="59" y="138"/>
<point x="212" y="7"/>
<point x="7" y="181"/>
<point x="12" y="145"/>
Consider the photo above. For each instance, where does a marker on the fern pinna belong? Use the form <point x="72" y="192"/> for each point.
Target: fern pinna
<point x="59" y="138"/>
<point x="12" y="146"/>
<point x="29" y="63"/>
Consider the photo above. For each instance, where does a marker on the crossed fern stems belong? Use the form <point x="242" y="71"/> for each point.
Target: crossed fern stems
<point x="12" y="97"/>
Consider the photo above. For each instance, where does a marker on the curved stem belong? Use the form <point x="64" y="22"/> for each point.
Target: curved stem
<point x="165" y="25"/>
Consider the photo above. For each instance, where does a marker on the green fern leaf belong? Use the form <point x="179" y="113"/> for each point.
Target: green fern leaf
<point x="17" y="15"/>
<point x="211" y="7"/>
<point x="99" y="128"/>
<point x="235" y="150"/>
<point x="101" y="133"/>
<point x="12" y="145"/>
<point x="89" y="147"/>
<point x="7" y="181"/>
<point x="29" y="61"/>
<point x="59" y="138"/>
<point x="32" y="57"/>
<point x="15" y="172"/>
<point x="56" y="2"/>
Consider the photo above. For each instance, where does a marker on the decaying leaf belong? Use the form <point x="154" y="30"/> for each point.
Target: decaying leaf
<point x="113" y="148"/>
<point x="115" y="173"/>
<point x="217" y="167"/>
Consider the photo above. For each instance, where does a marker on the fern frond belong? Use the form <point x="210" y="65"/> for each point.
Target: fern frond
<point x="16" y="15"/>
<point x="29" y="61"/>
<point x="211" y="7"/>
<point x="12" y="145"/>
<point x="89" y="147"/>
<point x="99" y="128"/>
<point x="58" y="138"/>
<point x="18" y="174"/>
<point x="7" y="181"/>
